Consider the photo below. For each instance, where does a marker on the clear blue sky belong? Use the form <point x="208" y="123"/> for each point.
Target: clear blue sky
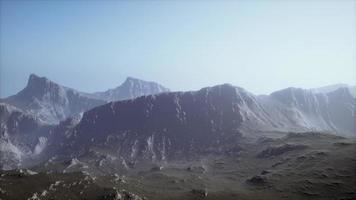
<point x="259" y="45"/>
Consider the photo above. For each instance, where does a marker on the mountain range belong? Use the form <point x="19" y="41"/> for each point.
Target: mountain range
<point x="144" y="121"/>
<point x="212" y="120"/>
<point x="330" y="88"/>
<point x="52" y="103"/>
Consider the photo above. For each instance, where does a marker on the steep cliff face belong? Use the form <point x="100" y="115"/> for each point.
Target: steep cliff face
<point x="166" y="125"/>
<point x="50" y="102"/>
<point x="14" y="121"/>
<point x="21" y="136"/>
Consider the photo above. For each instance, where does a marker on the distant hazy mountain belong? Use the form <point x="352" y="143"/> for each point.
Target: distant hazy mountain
<point x="329" y="88"/>
<point x="353" y="90"/>
<point x="131" y="89"/>
<point x="51" y="102"/>
<point x="334" y="87"/>
<point x="333" y="111"/>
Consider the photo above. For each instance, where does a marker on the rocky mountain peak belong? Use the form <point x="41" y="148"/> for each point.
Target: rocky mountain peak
<point x="135" y="82"/>
<point x="49" y="101"/>
<point x="131" y="79"/>
<point x="38" y="86"/>
<point x="131" y="88"/>
<point x="227" y="88"/>
<point x="292" y="95"/>
<point x="334" y="87"/>
<point x="343" y="91"/>
<point x="35" y="81"/>
<point x="33" y="78"/>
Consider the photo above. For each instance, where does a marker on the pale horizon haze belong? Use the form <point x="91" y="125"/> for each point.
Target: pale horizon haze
<point x="262" y="46"/>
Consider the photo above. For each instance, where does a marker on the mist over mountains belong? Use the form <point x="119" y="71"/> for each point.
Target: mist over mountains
<point x="330" y="88"/>
<point x="54" y="127"/>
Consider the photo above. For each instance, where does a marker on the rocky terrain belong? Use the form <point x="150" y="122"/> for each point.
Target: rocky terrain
<point x="296" y="166"/>
<point x="219" y="142"/>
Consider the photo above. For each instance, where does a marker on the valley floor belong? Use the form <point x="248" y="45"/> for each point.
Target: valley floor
<point x="296" y="166"/>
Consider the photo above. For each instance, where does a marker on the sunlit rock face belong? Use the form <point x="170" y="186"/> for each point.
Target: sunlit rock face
<point x="44" y="113"/>
<point x="19" y="136"/>
<point x="51" y="102"/>
<point x="15" y="121"/>
<point x="130" y="89"/>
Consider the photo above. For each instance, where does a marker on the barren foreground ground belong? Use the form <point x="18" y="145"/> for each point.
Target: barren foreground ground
<point x="295" y="166"/>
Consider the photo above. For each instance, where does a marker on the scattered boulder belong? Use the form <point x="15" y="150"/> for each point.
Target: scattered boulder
<point x="22" y="173"/>
<point x="257" y="180"/>
<point x="321" y="153"/>
<point x="34" y="197"/>
<point x="111" y="196"/>
<point x="131" y="164"/>
<point x="119" y="179"/>
<point x="125" y="195"/>
<point x="156" y="168"/>
<point x="174" y="181"/>
<point x="122" y="195"/>
<point x="200" y="193"/>
<point x="301" y="158"/>
<point x="2" y="191"/>
<point x="197" y="169"/>
<point x="264" y="172"/>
